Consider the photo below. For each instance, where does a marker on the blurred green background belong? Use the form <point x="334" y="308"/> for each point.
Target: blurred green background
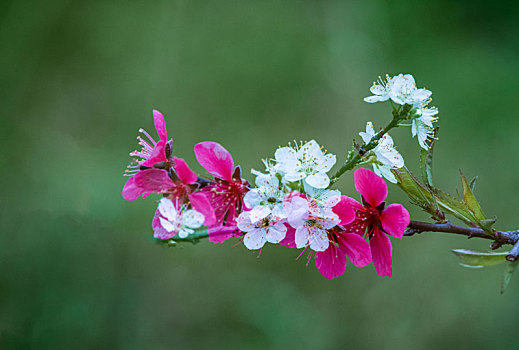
<point x="78" y="268"/>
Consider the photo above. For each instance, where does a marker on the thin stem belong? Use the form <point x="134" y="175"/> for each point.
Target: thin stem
<point x="353" y="160"/>
<point x="500" y="238"/>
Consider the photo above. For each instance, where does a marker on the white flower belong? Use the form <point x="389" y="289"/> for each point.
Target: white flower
<point x="267" y="229"/>
<point x="385" y="152"/>
<point x="401" y="89"/>
<point x="308" y="163"/>
<point x="267" y="198"/>
<point x="312" y="221"/>
<point x="380" y="91"/>
<point x="178" y="220"/>
<point x="423" y="131"/>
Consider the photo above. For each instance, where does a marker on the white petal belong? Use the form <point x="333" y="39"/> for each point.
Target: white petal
<point x="421" y="95"/>
<point x="318" y="180"/>
<point x="291" y="177"/>
<point x="414" y="128"/>
<point x="259" y="213"/>
<point x="168" y="210"/>
<point x="376" y="98"/>
<point x="327" y="162"/>
<point x="278" y="212"/>
<point x="370" y="132"/>
<point x="385" y="171"/>
<point x="331" y="220"/>
<point x="168" y="226"/>
<point x="286" y="158"/>
<point x="252" y="198"/>
<point x="332" y="201"/>
<point x="296" y="210"/>
<point x="310" y="151"/>
<point x="319" y="241"/>
<point x="255" y="239"/>
<point x="243" y="222"/>
<point x="301" y="236"/>
<point x="192" y="218"/>
<point x="377" y="89"/>
<point x="275" y="233"/>
<point x="268" y="181"/>
<point x="183" y="233"/>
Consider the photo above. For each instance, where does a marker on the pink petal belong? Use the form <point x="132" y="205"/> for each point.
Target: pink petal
<point x="356" y="248"/>
<point x="158" y="154"/>
<point x="153" y="180"/>
<point x="215" y="159"/>
<point x="130" y="190"/>
<point x="221" y="233"/>
<point x="345" y="210"/>
<point x="332" y="262"/>
<point x="395" y="218"/>
<point x="160" y="125"/>
<point x="381" y="253"/>
<point x="158" y="231"/>
<point x="371" y="186"/>
<point x="184" y="173"/>
<point x="290" y="237"/>
<point x="200" y="203"/>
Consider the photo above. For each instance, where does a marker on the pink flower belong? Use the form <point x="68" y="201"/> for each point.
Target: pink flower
<point x="374" y="219"/>
<point x="152" y="153"/>
<point x="331" y="261"/>
<point x="178" y="184"/>
<point x="227" y="192"/>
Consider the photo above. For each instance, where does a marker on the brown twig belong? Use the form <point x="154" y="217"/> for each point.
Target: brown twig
<point x="500" y="238"/>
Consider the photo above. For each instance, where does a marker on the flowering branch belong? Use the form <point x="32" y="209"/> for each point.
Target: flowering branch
<point x="291" y="202"/>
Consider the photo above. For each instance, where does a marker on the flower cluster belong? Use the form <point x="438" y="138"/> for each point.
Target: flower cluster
<point x="402" y="90"/>
<point x="291" y="203"/>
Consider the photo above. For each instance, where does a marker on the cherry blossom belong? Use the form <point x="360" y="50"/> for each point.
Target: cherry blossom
<point x="172" y="219"/>
<point x="226" y="193"/>
<point x="375" y="220"/>
<point x="307" y="162"/>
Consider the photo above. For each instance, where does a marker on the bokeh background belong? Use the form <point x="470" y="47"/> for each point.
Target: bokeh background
<point x="78" y="267"/>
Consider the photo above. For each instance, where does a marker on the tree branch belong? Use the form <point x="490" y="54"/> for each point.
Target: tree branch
<point x="500" y="238"/>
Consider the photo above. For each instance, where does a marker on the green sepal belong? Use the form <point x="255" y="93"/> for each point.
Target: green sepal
<point x="475" y="259"/>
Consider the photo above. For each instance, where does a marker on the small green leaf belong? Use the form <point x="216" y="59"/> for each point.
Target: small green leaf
<point x="453" y="206"/>
<point x="487" y="223"/>
<point x="470" y="199"/>
<point x="410" y="185"/>
<point x="474" y="259"/>
<point x="507" y="275"/>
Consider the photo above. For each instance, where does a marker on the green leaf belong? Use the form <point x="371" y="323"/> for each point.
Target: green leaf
<point x="507" y="275"/>
<point x="470" y="199"/>
<point x="410" y="185"/>
<point x="474" y="259"/>
<point x="453" y="206"/>
<point x="487" y="223"/>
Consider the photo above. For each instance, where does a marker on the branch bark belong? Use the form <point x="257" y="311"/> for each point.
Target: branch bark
<point x="500" y="238"/>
